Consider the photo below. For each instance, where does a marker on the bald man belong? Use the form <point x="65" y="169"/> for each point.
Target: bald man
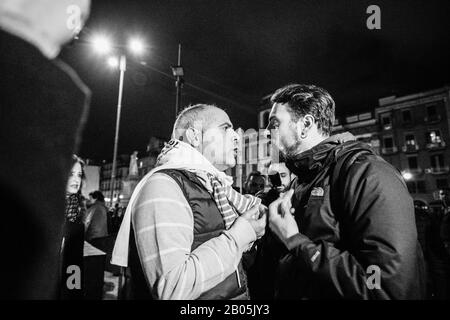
<point x="191" y="227"/>
<point x="43" y="106"/>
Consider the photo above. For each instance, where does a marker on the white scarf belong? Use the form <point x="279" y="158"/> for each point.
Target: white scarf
<point x="175" y="155"/>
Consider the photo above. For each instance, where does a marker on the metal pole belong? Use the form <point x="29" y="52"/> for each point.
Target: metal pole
<point x="178" y="84"/>
<point x="122" y="67"/>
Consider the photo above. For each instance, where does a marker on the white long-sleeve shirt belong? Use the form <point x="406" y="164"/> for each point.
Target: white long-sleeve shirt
<point x="163" y="223"/>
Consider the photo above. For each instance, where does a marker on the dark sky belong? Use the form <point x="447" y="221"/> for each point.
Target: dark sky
<point x="236" y="52"/>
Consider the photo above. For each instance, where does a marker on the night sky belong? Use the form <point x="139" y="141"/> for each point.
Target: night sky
<point x="236" y="52"/>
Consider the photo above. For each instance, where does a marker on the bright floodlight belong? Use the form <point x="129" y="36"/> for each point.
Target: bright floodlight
<point x="101" y="44"/>
<point x="113" y="62"/>
<point x="407" y="175"/>
<point x="136" y="46"/>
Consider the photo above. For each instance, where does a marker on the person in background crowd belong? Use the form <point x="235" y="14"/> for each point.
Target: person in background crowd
<point x="191" y="227"/>
<point x="347" y="225"/>
<point x="280" y="178"/>
<point x="73" y="241"/>
<point x="423" y="223"/>
<point x="439" y="247"/>
<point x="255" y="183"/>
<point x="95" y="221"/>
<point x="43" y="108"/>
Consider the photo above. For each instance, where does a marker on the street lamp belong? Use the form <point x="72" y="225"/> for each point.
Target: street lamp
<point x="102" y="45"/>
<point x="407" y="176"/>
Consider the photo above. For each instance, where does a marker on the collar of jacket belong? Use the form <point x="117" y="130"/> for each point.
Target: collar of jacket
<point x="308" y="163"/>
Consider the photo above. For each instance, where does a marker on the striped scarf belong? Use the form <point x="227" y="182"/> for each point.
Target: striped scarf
<point x="226" y="198"/>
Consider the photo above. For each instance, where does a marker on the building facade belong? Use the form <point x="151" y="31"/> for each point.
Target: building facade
<point x="414" y="137"/>
<point x="123" y="186"/>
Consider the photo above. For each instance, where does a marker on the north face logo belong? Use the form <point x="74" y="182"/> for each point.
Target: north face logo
<point x="317" y="192"/>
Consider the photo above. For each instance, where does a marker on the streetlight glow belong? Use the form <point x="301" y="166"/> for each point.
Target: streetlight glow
<point x="407" y="176"/>
<point x="113" y="62"/>
<point x="101" y="44"/>
<point x="136" y="46"/>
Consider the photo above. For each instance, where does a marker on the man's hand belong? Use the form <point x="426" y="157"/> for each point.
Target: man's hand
<point x="256" y="216"/>
<point x="281" y="220"/>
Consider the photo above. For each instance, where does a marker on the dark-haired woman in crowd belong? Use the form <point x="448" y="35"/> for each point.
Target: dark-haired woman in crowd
<point x="73" y="235"/>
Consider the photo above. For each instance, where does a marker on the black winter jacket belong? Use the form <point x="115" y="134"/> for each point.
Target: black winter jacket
<point x="352" y="230"/>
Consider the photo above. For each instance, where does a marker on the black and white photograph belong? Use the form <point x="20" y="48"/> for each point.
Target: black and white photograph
<point x="242" y="151"/>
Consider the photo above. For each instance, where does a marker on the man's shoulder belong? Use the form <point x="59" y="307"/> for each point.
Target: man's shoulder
<point x="372" y="169"/>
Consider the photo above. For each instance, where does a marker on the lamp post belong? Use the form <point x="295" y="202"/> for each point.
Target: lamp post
<point x="103" y="46"/>
<point x="122" y="68"/>
<point x="178" y="73"/>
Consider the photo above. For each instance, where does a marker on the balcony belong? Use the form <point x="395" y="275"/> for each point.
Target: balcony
<point x="408" y="148"/>
<point x="433" y="119"/>
<point x="436" y="145"/>
<point x="389" y="150"/>
<point x="438" y="170"/>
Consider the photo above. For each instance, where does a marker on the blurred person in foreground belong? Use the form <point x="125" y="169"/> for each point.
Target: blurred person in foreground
<point x="191" y="227"/>
<point x="43" y="108"/>
<point x="347" y="226"/>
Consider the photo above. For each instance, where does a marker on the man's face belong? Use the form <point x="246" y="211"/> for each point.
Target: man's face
<point x="287" y="137"/>
<point x="283" y="171"/>
<point x="220" y="141"/>
<point x="444" y="196"/>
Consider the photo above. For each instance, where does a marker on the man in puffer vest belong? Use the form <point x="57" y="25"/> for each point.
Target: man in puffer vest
<point x="190" y="227"/>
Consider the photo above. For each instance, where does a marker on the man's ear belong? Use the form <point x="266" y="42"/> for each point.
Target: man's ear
<point x="193" y="137"/>
<point x="304" y="125"/>
<point x="308" y="122"/>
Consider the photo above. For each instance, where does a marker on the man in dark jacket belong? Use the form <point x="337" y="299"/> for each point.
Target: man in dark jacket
<point x="439" y="247"/>
<point x="348" y="231"/>
<point x="43" y="106"/>
<point x="95" y="221"/>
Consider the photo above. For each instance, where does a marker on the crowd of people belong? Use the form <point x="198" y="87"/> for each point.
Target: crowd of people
<point x="337" y="222"/>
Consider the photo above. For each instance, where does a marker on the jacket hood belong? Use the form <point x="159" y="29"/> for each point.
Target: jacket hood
<point x="308" y="163"/>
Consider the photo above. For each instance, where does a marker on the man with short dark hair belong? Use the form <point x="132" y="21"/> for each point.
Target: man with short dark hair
<point x="347" y="225"/>
<point x="96" y="218"/>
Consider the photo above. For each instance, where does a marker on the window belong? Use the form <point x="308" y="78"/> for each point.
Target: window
<point x="388" y="142"/>
<point x="407" y="116"/>
<point x="432" y="111"/>
<point x="441" y="183"/>
<point x="411" y="186"/>
<point x="437" y="161"/>
<point x="412" y="163"/>
<point x="416" y="186"/>
<point x="434" y="136"/>
<point x="410" y="140"/>
<point x="386" y="121"/>
<point x="421" y="186"/>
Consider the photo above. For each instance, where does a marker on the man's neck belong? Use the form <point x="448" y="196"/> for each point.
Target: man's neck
<point x="311" y="143"/>
<point x="33" y="35"/>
